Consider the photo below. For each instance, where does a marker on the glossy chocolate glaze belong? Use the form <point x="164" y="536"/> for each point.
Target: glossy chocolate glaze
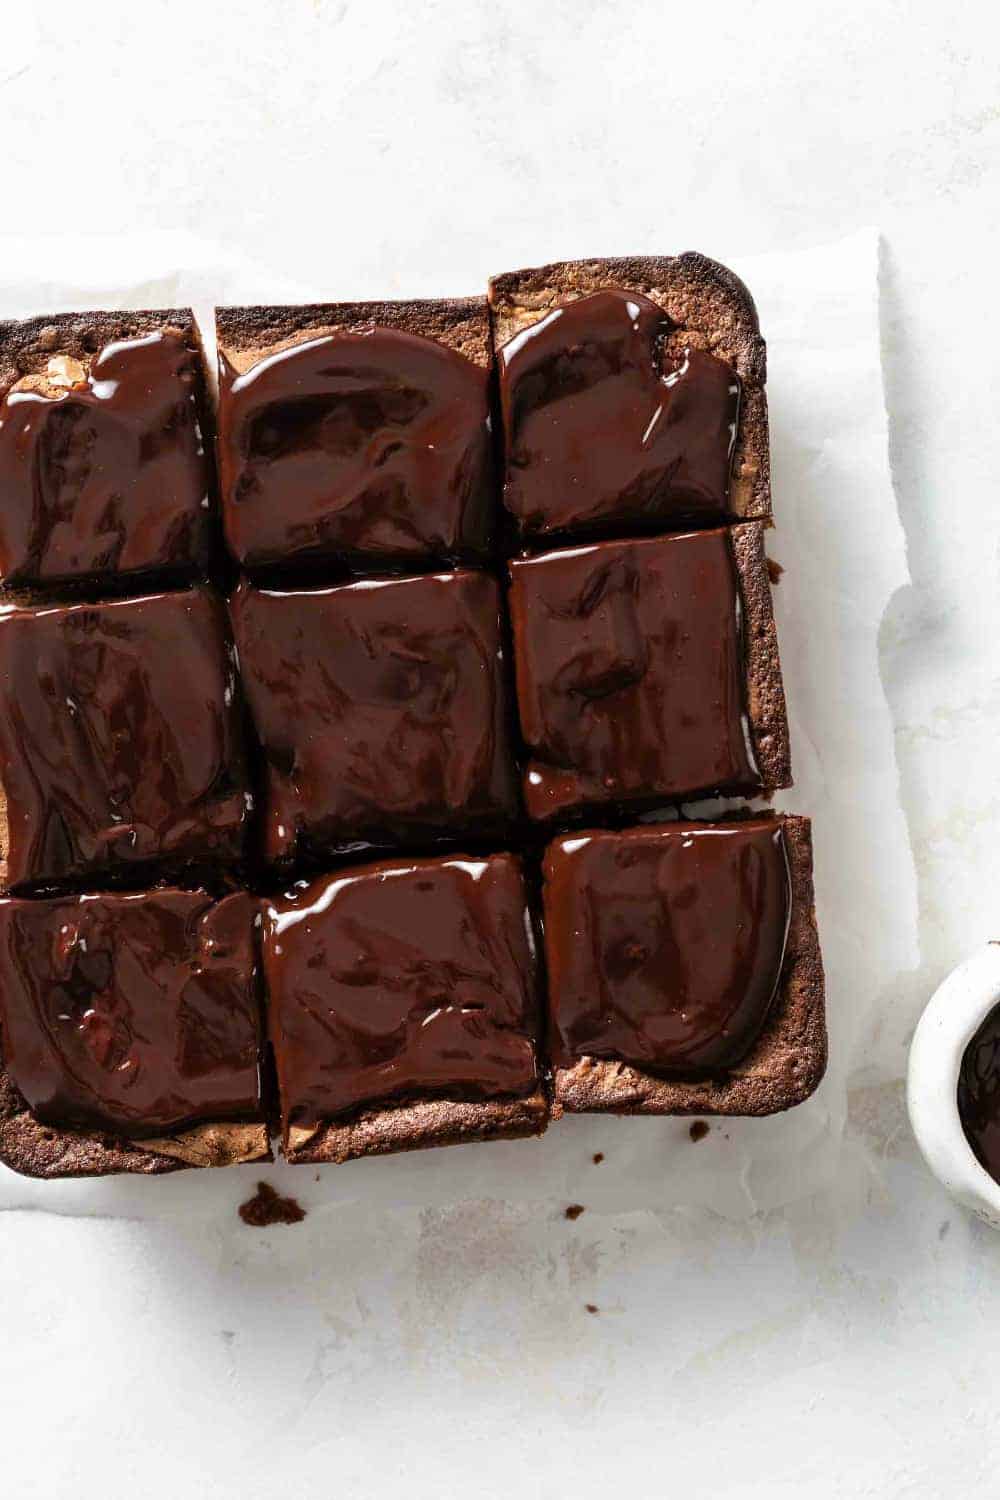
<point x="979" y="1094"/>
<point x="131" y="1013"/>
<point x="400" y="980"/>
<point x="109" y="476"/>
<point x="120" y="737"/>
<point x="603" y="426"/>
<point x="630" y="672"/>
<point x="664" y="943"/>
<point x="354" y="446"/>
<point x="380" y="707"/>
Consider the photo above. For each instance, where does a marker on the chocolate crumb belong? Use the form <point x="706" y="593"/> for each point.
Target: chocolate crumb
<point x="267" y="1207"/>
<point x="591" y="1307"/>
<point x="598" y="1158"/>
<point x="774" y="570"/>
<point x="575" y="1210"/>
<point x="698" y="1130"/>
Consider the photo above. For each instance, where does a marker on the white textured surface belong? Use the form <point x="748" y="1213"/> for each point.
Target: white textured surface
<point x="842" y="1344"/>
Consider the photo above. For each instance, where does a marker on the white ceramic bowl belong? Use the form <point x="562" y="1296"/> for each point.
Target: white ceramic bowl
<point x="955" y="1012"/>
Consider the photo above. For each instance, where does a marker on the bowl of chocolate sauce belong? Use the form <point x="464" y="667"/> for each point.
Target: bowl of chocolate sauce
<point x="953" y="1083"/>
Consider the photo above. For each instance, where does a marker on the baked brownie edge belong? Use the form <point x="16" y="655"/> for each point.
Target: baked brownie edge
<point x="786" y="1063"/>
<point x="766" y="707"/>
<point x="27" y="345"/>
<point x="36" y="1150"/>
<point x="415" y="1125"/>
<point x="460" y="323"/>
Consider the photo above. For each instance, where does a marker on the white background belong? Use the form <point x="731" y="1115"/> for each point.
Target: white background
<point x="846" y="1343"/>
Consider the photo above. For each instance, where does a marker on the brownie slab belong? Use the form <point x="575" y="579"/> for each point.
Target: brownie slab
<point x="130" y="1033"/>
<point x="355" y="432"/>
<point x="404" y="1007"/>
<point x="621" y="414"/>
<point x="684" y="968"/>
<point x="381" y="709"/>
<point x="104" y="471"/>
<point x="648" y="670"/>
<point x="121" y="743"/>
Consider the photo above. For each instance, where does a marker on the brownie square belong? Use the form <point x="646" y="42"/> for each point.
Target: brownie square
<point x="684" y="973"/>
<point x="404" y="1007"/>
<point x="130" y="1016"/>
<point x="354" y="433"/>
<point x="381" y="709"/>
<point x="121" y="743"/>
<point x="632" y="395"/>
<point x="103" y="464"/>
<point x="647" y="670"/>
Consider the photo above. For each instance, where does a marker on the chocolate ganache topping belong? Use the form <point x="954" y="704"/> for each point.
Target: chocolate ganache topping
<point x="603" y="425"/>
<point x="355" y="445"/>
<point x="399" y="979"/>
<point x="106" y="471"/>
<point x="665" y="943"/>
<point x="134" y="1013"/>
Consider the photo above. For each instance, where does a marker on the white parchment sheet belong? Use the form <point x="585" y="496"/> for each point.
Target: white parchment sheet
<point x="839" y="540"/>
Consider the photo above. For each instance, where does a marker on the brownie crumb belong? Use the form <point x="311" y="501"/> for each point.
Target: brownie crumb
<point x="575" y="1210"/>
<point x="591" y="1307"/>
<point x="698" y="1130"/>
<point x="268" y="1207"/>
<point x="774" y="570"/>
<point x="598" y="1158"/>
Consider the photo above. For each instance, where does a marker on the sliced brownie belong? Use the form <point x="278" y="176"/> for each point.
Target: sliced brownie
<point x="121" y="740"/>
<point x="105" y="471"/>
<point x="684" y="969"/>
<point x="647" y="671"/>
<point x="355" y="433"/>
<point x="632" y="395"/>
<point x="130" y="1033"/>
<point x="404" y="1008"/>
<point x="381" y="707"/>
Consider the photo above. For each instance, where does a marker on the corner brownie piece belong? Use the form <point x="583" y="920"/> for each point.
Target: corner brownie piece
<point x="647" y="670"/>
<point x="104" y="471"/>
<point x="404" y="1008"/>
<point x="121" y="739"/>
<point x="632" y="395"/>
<point x="381" y="709"/>
<point x="355" y="432"/>
<point x="130" y="1033"/>
<point x="684" y="968"/>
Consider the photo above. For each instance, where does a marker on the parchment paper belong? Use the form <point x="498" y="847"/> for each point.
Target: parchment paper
<point x="839" y="540"/>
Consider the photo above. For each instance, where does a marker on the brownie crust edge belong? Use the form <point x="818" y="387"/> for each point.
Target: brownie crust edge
<point x="34" y="1149"/>
<point x="460" y="323"/>
<point x="766" y="708"/>
<point x="27" y="344"/>
<point x="412" y="1126"/>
